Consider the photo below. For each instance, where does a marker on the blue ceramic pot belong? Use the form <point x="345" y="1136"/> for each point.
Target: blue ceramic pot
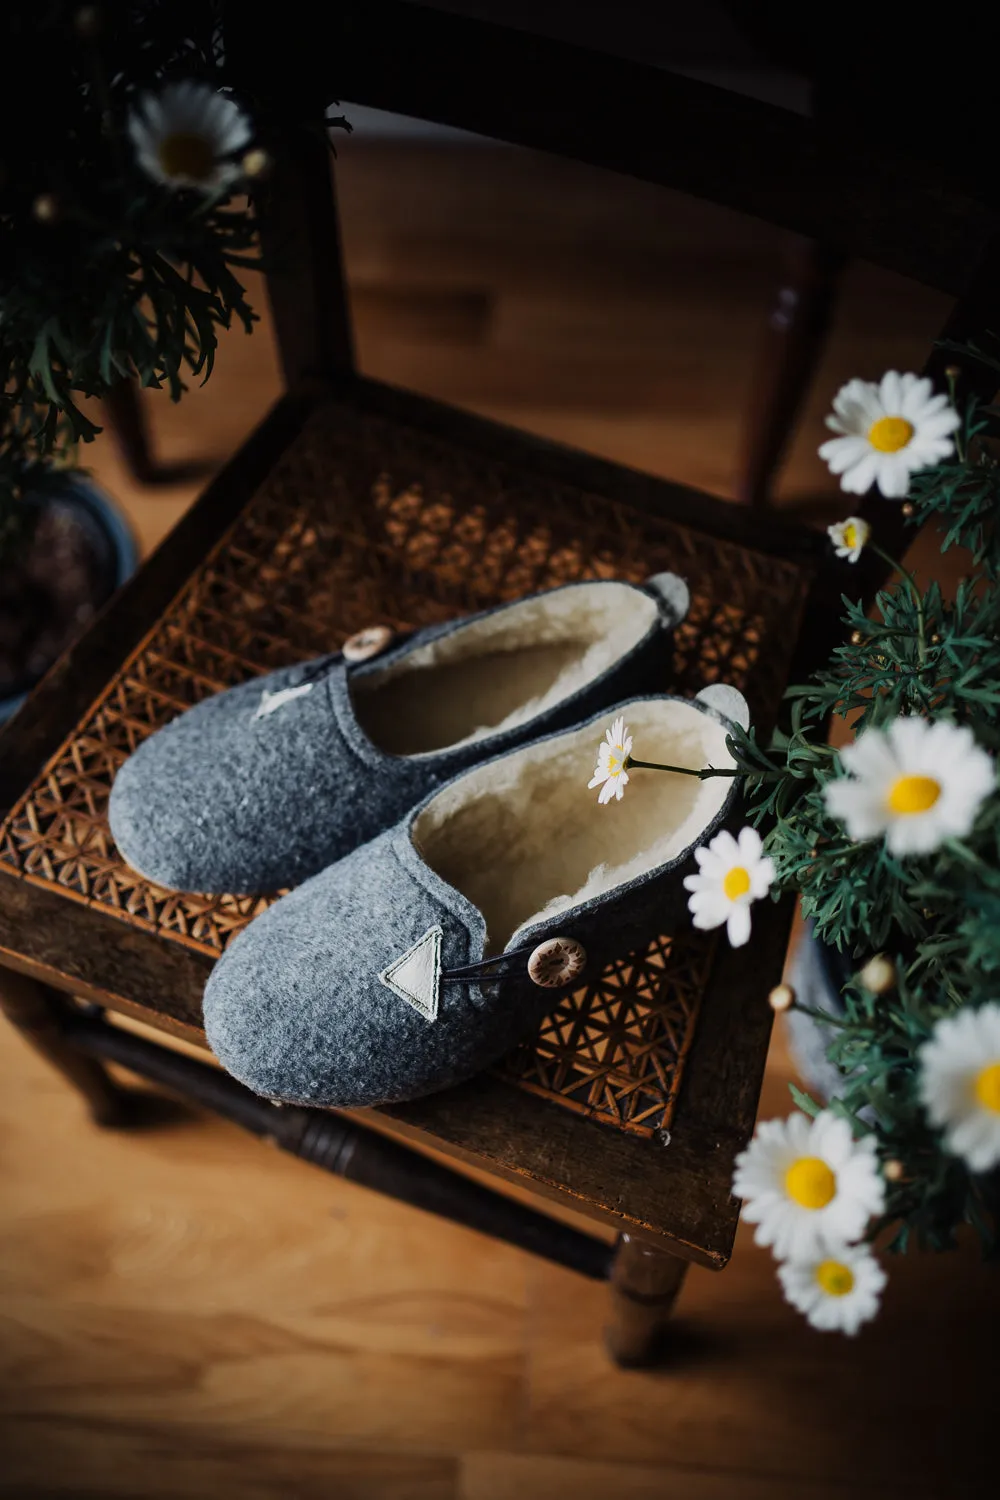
<point x="101" y="529"/>
<point x="817" y="975"/>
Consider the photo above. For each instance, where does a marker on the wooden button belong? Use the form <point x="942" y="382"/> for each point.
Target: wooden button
<point x="366" y="643"/>
<point x="556" y="961"/>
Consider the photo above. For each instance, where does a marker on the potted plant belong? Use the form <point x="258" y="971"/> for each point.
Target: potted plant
<point x="64" y="549"/>
<point x="893" y="846"/>
<point x="124" y="224"/>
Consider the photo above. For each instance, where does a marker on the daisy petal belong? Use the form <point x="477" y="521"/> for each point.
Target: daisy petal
<point x="859" y="479"/>
<point x="738" y="925"/>
<point x="957" y="1084"/>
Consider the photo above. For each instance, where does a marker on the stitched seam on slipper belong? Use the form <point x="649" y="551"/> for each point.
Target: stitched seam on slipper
<point x="414" y="874"/>
<point x="349" y="739"/>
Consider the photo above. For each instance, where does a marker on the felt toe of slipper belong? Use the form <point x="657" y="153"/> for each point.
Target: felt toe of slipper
<point x="164" y="840"/>
<point x="224" y="798"/>
<point x="299" y="1008"/>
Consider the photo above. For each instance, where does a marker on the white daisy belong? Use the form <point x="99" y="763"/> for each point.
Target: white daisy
<point x="917" y="782"/>
<point x="186" y="136"/>
<point x="837" y="1288"/>
<point x="732" y="873"/>
<point x="808" y="1184"/>
<point x="610" y="773"/>
<point x="887" y="431"/>
<point x="849" y="537"/>
<point x="960" y="1084"/>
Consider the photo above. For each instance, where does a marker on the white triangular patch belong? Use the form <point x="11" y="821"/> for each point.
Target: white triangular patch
<point x="415" y="976"/>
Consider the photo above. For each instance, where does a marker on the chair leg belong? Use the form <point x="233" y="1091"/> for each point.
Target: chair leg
<point x="38" y="1013"/>
<point x="795" y="340"/>
<point x="126" y="420"/>
<point x="306" y="279"/>
<point x="645" y="1282"/>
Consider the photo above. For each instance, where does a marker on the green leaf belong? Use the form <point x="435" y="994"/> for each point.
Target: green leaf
<point x="807" y="1104"/>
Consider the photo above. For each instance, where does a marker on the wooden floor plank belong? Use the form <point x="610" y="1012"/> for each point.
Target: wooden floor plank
<point x="753" y="1393"/>
<point x="505" y="1476"/>
<point x="184" y="1276"/>
<point x="105" y="1460"/>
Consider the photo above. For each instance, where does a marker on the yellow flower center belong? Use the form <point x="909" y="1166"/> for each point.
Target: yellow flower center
<point x="614" y="765"/>
<point x="889" y="434"/>
<point x="988" y="1087"/>
<point x="810" y="1183"/>
<point x="850" y="535"/>
<point x="913" y="794"/>
<point x="736" y="883"/>
<point x="835" y="1278"/>
<point x="185" y="155"/>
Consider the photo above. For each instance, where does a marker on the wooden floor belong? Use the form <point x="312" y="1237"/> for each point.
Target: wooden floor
<point x="187" y="1314"/>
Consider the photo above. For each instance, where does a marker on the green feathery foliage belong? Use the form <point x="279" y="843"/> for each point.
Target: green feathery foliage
<point x="105" y="274"/>
<point x="937" y="914"/>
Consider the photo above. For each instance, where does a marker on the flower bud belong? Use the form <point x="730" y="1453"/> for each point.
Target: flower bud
<point x="879" y="975"/>
<point x="781" y="998"/>
<point x="46" y="208"/>
<point x="256" y="164"/>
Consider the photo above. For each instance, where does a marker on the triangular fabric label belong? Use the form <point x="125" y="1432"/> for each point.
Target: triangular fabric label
<point x="416" y="976"/>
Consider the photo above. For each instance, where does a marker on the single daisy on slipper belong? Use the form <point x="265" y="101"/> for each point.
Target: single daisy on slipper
<point x="610" y="773"/>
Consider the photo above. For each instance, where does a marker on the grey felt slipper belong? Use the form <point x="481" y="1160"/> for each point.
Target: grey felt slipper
<point x="423" y="956"/>
<point x="262" y="786"/>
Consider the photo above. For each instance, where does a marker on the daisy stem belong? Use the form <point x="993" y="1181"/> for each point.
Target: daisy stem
<point x="951" y="375"/>
<point x="703" y="775"/>
<point x="918" y="599"/>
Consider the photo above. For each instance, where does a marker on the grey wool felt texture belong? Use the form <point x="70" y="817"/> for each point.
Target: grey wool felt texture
<point x="264" y="785"/>
<point x="345" y="992"/>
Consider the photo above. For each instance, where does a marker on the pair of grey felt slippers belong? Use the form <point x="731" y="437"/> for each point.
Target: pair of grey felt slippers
<point x="427" y="798"/>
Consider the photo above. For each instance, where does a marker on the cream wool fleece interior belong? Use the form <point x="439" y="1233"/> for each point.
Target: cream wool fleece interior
<point x="524" y="837"/>
<point x="501" y="671"/>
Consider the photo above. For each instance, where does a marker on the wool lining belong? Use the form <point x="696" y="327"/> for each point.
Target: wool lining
<point x="523" y="838"/>
<point x="502" y="670"/>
